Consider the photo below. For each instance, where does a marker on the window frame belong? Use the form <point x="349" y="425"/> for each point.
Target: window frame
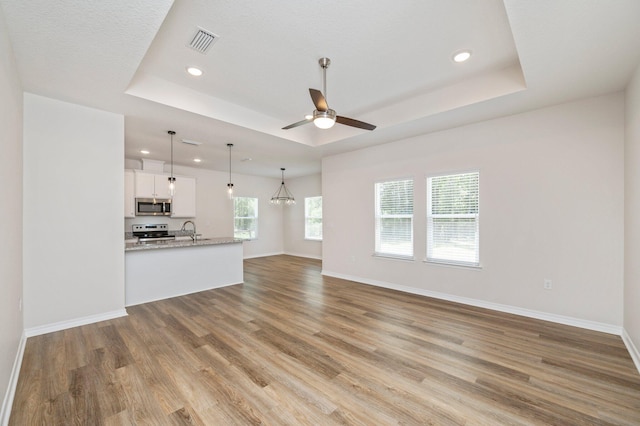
<point x="429" y="227"/>
<point x="254" y="218"/>
<point x="378" y="252"/>
<point x="307" y="217"/>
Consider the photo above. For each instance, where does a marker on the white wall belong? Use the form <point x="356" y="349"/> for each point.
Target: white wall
<point x="294" y="242"/>
<point x="551" y="206"/>
<point x="73" y="204"/>
<point x="11" y="324"/>
<point x="632" y="214"/>
<point x="214" y="210"/>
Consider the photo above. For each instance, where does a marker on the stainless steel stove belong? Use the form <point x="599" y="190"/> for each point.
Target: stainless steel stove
<point x="152" y="232"/>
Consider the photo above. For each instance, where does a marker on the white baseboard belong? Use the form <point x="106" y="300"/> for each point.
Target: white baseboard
<point x="303" y="255"/>
<point x="253" y="256"/>
<point x="181" y="294"/>
<point x="5" y="412"/>
<point x="560" y="319"/>
<point x="633" y="350"/>
<point x="63" y="325"/>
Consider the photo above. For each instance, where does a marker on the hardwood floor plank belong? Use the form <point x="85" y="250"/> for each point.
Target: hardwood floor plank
<point x="291" y="347"/>
<point x="144" y="404"/>
<point x="185" y="416"/>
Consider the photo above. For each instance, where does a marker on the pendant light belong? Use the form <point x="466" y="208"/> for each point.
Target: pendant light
<point x="230" y="185"/>
<point x="172" y="179"/>
<point x="282" y="195"/>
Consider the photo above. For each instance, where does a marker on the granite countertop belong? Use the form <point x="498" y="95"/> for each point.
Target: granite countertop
<point x="154" y="245"/>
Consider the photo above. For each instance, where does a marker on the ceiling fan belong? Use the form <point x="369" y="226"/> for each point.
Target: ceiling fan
<point x="323" y="116"/>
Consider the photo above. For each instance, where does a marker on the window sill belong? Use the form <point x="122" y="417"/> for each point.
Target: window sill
<point x="313" y="239"/>
<point x="454" y="264"/>
<point x="394" y="257"/>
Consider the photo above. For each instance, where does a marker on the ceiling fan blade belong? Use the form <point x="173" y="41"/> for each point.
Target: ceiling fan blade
<point x="299" y="123"/>
<point x="318" y="100"/>
<point x="355" y="123"/>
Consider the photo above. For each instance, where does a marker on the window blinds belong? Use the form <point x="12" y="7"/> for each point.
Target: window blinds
<point x="245" y="223"/>
<point x="453" y="219"/>
<point x="313" y="218"/>
<point x="394" y="218"/>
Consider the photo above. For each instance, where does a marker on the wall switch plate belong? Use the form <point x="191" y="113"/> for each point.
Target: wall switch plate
<point x="547" y="284"/>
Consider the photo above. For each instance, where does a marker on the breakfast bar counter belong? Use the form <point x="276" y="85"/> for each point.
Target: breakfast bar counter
<point x="185" y="242"/>
<point x="164" y="269"/>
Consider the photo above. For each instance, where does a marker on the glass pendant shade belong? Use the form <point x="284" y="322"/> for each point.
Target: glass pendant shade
<point x="172" y="186"/>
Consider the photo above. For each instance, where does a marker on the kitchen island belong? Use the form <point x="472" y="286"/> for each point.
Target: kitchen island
<point x="164" y="269"/>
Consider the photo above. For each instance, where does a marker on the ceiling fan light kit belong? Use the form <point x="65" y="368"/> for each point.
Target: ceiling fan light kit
<point x="324" y="117"/>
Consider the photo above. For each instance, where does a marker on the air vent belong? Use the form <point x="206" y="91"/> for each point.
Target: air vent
<point x="190" y="142"/>
<point x="202" y="40"/>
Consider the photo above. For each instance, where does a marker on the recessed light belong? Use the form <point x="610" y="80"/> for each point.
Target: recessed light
<point x="196" y="72"/>
<point x="197" y="160"/>
<point x="144" y="151"/>
<point x="461" y="55"/>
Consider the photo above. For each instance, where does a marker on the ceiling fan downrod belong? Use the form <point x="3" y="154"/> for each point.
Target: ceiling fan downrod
<point x="324" y="64"/>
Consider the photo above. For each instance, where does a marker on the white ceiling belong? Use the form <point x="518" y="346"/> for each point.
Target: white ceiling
<point x="391" y="66"/>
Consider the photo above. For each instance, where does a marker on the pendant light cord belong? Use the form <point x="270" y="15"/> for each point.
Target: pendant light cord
<point x="230" y="184"/>
<point x="171" y="179"/>
<point x="229" y="145"/>
<point x="171" y="132"/>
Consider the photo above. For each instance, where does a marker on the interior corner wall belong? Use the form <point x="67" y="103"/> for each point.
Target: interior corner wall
<point x="73" y="204"/>
<point x="11" y="320"/>
<point x="632" y="212"/>
<point x="551" y="207"/>
<point x="294" y="242"/>
<point x="269" y="241"/>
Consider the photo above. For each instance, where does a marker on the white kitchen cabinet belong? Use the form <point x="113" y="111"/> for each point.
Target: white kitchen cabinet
<point x="184" y="199"/>
<point x="150" y="185"/>
<point x="129" y="194"/>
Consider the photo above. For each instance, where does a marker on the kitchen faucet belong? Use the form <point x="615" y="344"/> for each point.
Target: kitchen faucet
<point x="194" y="236"/>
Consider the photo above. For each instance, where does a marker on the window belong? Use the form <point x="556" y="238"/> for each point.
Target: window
<point x="394" y="218"/>
<point x="453" y="219"/>
<point x="313" y="218"/>
<point x="245" y="221"/>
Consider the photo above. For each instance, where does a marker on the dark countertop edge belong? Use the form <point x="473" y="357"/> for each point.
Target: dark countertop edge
<point x="179" y="244"/>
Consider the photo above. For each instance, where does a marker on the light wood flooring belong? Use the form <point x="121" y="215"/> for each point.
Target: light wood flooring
<point x="290" y="347"/>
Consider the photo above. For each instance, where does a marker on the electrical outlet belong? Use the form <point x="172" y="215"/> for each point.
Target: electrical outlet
<point x="547" y="284"/>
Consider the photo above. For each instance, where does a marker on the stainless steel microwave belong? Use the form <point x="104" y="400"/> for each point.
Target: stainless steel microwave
<point x="153" y="207"/>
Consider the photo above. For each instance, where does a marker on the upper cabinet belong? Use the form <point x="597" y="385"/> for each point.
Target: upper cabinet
<point x="184" y="199"/>
<point x="149" y="185"/>
<point x="129" y="194"/>
<point x="139" y="184"/>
